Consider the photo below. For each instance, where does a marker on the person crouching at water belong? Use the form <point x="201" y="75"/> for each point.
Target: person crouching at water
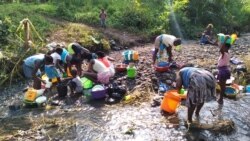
<point x="200" y="84"/>
<point x="50" y="69"/>
<point x="223" y="67"/>
<point x="68" y="60"/>
<point x="101" y="69"/>
<point x="75" y="84"/>
<point x="165" y="42"/>
<point x="31" y="69"/>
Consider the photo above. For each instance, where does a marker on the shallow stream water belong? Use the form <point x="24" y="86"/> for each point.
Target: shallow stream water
<point x="97" y="121"/>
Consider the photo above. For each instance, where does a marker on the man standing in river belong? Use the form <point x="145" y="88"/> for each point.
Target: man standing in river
<point x="165" y="42"/>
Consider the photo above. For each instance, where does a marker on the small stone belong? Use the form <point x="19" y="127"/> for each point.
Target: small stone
<point x="169" y="82"/>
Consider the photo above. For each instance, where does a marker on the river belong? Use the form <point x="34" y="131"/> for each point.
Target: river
<point x="79" y="120"/>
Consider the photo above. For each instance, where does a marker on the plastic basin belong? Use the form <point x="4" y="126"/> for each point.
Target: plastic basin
<point x="163" y="64"/>
<point x="171" y="101"/>
<point x="86" y="83"/>
<point x="98" y="92"/>
<point x="230" y="92"/>
<point x="161" y="69"/>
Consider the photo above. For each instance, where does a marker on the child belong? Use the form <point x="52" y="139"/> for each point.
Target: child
<point x="103" y="17"/>
<point x="75" y="84"/>
<point x="50" y="69"/>
<point x="223" y="67"/>
<point x="200" y="84"/>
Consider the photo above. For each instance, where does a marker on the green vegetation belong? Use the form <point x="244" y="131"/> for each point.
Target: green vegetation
<point x="152" y="17"/>
<point x="147" y="17"/>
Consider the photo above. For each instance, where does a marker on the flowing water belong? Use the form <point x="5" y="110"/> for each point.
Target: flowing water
<point x="97" y="121"/>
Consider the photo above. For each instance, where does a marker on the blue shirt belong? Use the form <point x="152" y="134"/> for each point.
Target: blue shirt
<point x="51" y="71"/>
<point x="185" y="75"/>
<point x="30" y="61"/>
<point x="64" y="55"/>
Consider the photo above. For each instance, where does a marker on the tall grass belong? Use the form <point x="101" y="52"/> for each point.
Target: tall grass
<point x="35" y="12"/>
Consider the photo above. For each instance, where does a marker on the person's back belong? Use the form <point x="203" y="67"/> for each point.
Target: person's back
<point x="30" y="61"/>
<point x="105" y="61"/>
<point x="167" y="39"/>
<point x="185" y="74"/>
<point x="99" y="66"/>
<point x="75" y="48"/>
<point x="55" y="57"/>
<point x="50" y="69"/>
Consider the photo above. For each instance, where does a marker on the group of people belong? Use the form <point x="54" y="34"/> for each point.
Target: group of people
<point x="200" y="83"/>
<point x="68" y="62"/>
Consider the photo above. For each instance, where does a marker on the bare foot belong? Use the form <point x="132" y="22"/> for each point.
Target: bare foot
<point x="220" y="101"/>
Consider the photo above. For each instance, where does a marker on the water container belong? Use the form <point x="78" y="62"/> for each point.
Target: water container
<point x="182" y="91"/>
<point x="30" y="95"/>
<point x="230" y="92"/>
<point x="128" y="55"/>
<point x="86" y="83"/>
<point x="170" y="101"/>
<point x="70" y="50"/>
<point x="131" y="71"/>
<point x="40" y="100"/>
<point x="98" y="92"/>
<point x="233" y="38"/>
<point x="248" y="88"/>
<point x="135" y="55"/>
<point x="87" y="93"/>
<point x="62" y="89"/>
<point x="68" y="73"/>
<point x="163" y="64"/>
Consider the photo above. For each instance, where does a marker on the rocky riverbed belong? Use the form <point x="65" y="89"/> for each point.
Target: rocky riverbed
<point x="78" y="119"/>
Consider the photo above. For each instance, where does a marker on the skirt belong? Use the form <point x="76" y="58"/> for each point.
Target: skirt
<point x="201" y="88"/>
<point x="224" y="73"/>
<point x="103" y="77"/>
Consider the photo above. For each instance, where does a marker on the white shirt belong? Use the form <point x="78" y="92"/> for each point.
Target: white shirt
<point x="166" y="39"/>
<point x="78" y="82"/>
<point x="55" y="57"/>
<point x="99" y="66"/>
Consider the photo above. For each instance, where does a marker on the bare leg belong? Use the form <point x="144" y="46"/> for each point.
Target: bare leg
<point x="37" y="84"/>
<point x="169" y="51"/>
<point x="222" y="84"/>
<point x="190" y="112"/>
<point x="198" y="108"/>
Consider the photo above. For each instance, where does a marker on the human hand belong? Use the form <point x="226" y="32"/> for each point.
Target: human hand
<point x="43" y="81"/>
<point x="173" y="84"/>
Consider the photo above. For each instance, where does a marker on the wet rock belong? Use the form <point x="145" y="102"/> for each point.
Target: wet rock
<point x="169" y="82"/>
<point x="156" y="101"/>
<point x="112" y="43"/>
<point x="138" y="82"/>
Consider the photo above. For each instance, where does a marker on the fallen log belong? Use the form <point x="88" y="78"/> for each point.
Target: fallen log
<point x="221" y="126"/>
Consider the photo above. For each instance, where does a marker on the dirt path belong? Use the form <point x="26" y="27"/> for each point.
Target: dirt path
<point x="121" y="37"/>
